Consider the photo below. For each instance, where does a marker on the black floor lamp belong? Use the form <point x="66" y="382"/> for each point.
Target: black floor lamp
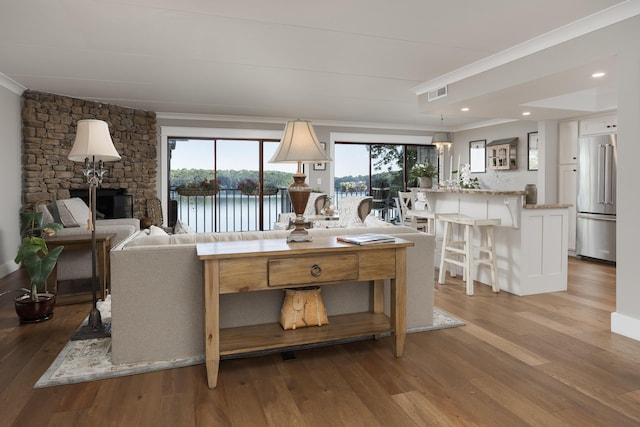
<point x="93" y="146"/>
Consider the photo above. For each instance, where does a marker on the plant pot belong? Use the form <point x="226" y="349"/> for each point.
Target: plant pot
<point x="184" y="191"/>
<point x="30" y="311"/>
<point x="425" y="182"/>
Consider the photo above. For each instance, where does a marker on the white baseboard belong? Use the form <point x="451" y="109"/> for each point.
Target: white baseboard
<point x="625" y="325"/>
<point x="8" y="268"/>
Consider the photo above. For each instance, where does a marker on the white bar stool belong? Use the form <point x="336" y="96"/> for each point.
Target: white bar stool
<point x="460" y="252"/>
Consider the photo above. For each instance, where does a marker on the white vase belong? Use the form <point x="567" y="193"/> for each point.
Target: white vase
<point x="425" y="182"/>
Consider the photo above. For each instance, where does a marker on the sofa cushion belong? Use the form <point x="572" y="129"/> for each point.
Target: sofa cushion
<point x="157" y="231"/>
<point x="182" y="228"/>
<point x="73" y="212"/>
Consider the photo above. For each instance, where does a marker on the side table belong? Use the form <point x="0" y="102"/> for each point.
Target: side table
<point x="83" y="243"/>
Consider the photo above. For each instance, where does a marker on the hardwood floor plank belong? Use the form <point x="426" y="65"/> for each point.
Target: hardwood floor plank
<point x="520" y="405"/>
<point x="424" y="412"/>
<point x="516" y="351"/>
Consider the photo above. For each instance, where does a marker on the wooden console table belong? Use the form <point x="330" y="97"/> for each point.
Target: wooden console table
<point x="83" y="243"/>
<point x="254" y="265"/>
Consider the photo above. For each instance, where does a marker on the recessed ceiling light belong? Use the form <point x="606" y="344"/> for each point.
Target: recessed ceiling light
<point x="464" y="109"/>
<point x="598" y="74"/>
<point x="526" y="113"/>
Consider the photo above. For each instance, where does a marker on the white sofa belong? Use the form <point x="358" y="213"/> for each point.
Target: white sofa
<point x="157" y="292"/>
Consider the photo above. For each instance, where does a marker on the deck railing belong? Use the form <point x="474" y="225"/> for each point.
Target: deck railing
<point x="230" y="210"/>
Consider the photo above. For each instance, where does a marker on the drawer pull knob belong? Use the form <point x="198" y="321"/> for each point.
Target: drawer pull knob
<point x="316" y="270"/>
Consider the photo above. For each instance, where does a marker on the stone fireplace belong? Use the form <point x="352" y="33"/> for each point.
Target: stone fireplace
<point x="48" y="131"/>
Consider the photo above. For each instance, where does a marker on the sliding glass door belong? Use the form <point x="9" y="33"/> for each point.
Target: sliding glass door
<point x="250" y="191"/>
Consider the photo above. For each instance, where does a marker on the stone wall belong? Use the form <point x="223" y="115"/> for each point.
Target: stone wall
<point x="48" y="131"/>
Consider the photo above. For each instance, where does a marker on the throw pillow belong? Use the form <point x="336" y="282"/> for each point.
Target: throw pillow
<point x="73" y="212"/>
<point x="52" y="208"/>
<point x="157" y="231"/>
<point x="349" y="211"/>
<point x="182" y="228"/>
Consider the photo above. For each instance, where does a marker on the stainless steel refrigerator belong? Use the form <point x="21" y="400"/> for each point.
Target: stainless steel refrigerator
<point x="596" y="201"/>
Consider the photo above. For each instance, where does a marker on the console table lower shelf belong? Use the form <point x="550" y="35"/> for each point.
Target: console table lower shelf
<point x="245" y="266"/>
<point x="269" y="336"/>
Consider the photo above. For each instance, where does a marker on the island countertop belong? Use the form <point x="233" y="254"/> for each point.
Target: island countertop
<point x="547" y="206"/>
<point x="480" y="191"/>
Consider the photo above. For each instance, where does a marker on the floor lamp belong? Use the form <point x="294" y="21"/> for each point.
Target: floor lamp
<point x="299" y="145"/>
<point x="93" y="146"/>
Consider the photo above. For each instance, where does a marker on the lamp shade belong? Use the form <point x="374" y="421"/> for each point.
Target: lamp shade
<point x="441" y="138"/>
<point x="94" y="142"/>
<point x="299" y="144"/>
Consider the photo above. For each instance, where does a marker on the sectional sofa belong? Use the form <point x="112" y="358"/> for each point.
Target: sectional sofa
<point x="157" y="292"/>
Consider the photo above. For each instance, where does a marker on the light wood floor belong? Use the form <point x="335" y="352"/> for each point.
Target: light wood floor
<point x="545" y="360"/>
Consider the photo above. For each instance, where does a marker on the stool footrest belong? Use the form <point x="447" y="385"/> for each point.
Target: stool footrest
<point x="455" y="261"/>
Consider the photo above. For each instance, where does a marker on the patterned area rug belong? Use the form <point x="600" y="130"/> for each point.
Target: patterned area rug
<point x="90" y="360"/>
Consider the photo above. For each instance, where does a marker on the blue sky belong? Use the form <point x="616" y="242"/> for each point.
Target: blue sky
<point x="198" y="154"/>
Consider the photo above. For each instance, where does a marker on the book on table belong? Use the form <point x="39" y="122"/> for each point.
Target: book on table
<point x="366" y="239"/>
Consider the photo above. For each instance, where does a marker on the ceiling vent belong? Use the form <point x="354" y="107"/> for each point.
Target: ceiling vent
<point x="437" y="93"/>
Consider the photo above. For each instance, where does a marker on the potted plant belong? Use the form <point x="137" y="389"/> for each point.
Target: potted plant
<point x="249" y="187"/>
<point x="424" y="174"/>
<point x="36" y="304"/>
<point x="202" y="188"/>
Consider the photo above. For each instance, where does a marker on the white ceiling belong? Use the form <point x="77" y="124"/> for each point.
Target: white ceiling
<point x="355" y="62"/>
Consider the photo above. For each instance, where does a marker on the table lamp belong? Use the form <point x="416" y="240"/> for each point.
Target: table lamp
<point x="299" y="145"/>
<point x="93" y="146"/>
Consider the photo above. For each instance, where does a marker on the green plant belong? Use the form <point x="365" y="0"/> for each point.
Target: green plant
<point x="248" y="186"/>
<point x="33" y="253"/>
<point x="424" y="170"/>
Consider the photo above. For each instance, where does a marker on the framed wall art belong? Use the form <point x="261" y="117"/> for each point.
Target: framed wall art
<point x="321" y="166"/>
<point x="532" y="150"/>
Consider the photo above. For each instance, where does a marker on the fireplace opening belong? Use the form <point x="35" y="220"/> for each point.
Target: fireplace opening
<point x="111" y="202"/>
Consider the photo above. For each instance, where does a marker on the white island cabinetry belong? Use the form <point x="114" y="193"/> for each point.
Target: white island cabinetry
<point x="531" y="241"/>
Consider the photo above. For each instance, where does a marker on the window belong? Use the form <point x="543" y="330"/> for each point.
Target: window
<point x="251" y="191"/>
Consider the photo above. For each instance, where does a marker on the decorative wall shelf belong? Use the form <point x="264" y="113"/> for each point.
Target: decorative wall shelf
<point x="502" y="154"/>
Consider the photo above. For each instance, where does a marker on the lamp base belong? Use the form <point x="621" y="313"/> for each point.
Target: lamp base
<point x="93" y="329"/>
<point x="299" y="194"/>
<point x="299" y="235"/>
<point x="86" y="332"/>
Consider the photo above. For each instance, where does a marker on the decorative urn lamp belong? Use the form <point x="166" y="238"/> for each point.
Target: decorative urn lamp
<point x="299" y="145"/>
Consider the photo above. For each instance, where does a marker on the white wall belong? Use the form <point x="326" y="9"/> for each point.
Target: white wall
<point x="498" y="180"/>
<point x="11" y="189"/>
<point x="626" y="319"/>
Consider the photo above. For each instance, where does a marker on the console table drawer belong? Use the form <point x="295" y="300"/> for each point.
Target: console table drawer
<point x="309" y="270"/>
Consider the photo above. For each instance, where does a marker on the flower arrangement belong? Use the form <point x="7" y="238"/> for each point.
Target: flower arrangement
<point x="252" y="188"/>
<point x="465" y="178"/>
<point x="202" y="188"/>
<point x="248" y="186"/>
<point x="269" y="189"/>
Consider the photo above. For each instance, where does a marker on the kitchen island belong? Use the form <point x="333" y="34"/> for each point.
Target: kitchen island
<point x="530" y="242"/>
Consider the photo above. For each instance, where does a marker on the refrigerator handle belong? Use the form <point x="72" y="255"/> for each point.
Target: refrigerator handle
<point x="608" y="179"/>
<point x="601" y="173"/>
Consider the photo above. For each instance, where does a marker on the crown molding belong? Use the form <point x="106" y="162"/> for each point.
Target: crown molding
<point x="12" y="85"/>
<point x="484" y="124"/>
<point x="588" y="24"/>
<point x="283" y="121"/>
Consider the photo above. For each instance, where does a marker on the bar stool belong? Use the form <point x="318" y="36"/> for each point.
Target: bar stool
<point x="460" y="252"/>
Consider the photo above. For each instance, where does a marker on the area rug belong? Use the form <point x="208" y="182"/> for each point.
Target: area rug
<point x="90" y="360"/>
